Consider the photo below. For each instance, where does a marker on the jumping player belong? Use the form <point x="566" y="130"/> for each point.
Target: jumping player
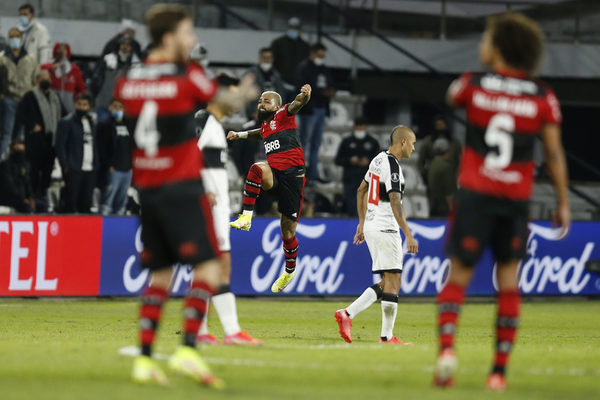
<point x="283" y="174"/>
<point x="213" y="144"/>
<point x="160" y="98"/>
<point x="380" y="213"/>
<point x="506" y="109"/>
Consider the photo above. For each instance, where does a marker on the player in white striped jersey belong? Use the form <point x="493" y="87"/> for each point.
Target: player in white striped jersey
<point x="380" y="213"/>
<point x="213" y="143"/>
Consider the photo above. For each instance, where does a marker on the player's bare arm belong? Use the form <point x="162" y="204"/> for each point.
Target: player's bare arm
<point x="557" y="167"/>
<point x="396" y="203"/>
<point x="361" y="205"/>
<point x="301" y="100"/>
<point x="254" y="134"/>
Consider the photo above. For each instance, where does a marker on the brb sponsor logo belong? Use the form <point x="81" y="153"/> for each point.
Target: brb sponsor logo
<point x="49" y="256"/>
<point x="272" y="146"/>
<point x="321" y="270"/>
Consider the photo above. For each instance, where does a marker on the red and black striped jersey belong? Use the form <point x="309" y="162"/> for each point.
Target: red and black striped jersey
<point x="505" y="113"/>
<point x="159" y="101"/>
<point x="282" y="143"/>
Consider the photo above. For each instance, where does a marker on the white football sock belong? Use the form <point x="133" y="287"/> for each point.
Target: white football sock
<point x="204" y="326"/>
<point x="248" y="212"/>
<point x="226" y="310"/>
<point x="363" y="302"/>
<point x="389" y="309"/>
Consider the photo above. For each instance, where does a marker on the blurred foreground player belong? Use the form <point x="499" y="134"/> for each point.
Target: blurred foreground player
<point x="506" y="109"/>
<point x="380" y="213"/>
<point x="283" y="174"/>
<point x="160" y="97"/>
<point x="213" y="144"/>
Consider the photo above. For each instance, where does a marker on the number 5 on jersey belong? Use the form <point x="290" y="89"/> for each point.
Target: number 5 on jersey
<point x="146" y="134"/>
<point x="374" y="189"/>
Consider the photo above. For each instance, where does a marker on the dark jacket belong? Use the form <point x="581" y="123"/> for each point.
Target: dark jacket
<point x="350" y="147"/>
<point x="115" y="145"/>
<point x="15" y="184"/>
<point x="29" y="115"/>
<point x="319" y="78"/>
<point x="69" y="143"/>
<point x="287" y="54"/>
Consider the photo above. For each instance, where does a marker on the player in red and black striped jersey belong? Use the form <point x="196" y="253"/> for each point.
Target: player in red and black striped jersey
<point x="507" y="109"/>
<point x="160" y="98"/>
<point x="282" y="175"/>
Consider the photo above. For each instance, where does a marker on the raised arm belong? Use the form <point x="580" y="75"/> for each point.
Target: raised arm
<point x="254" y="134"/>
<point x="557" y="167"/>
<point x="396" y="203"/>
<point x="361" y="207"/>
<point x="301" y="99"/>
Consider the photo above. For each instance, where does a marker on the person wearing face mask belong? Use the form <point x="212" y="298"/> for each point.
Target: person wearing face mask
<point x="21" y="70"/>
<point x="426" y="153"/>
<point x="354" y="155"/>
<point x="37" y="119"/>
<point x="115" y="159"/>
<point x="66" y="77"/>
<point x="312" y="117"/>
<point x="36" y="39"/>
<point x="77" y="152"/>
<point x="15" y="185"/>
<point x="107" y="70"/>
<point x="266" y="77"/>
<point x="127" y="30"/>
<point x="288" y="51"/>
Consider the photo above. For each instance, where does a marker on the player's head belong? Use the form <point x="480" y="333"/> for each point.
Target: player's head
<point x="268" y="103"/>
<point x="513" y="40"/>
<point x="230" y="83"/>
<point x="171" y="30"/>
<point x="402" y="141"/>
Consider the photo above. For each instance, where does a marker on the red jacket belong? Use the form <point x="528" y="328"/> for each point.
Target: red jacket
<point x="72" y="82"/>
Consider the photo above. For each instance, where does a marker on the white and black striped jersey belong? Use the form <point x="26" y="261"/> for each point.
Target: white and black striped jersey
<point x="212" y="139"/>
<point x="384" y="176"/>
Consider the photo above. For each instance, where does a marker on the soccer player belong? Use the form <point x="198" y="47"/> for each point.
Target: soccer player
<point x="160" y="97"/>
<point x="283" y="174"/>
<point x="506" y="109"/>
<point x="380" y="213"/>
<point x="213" y="144"/>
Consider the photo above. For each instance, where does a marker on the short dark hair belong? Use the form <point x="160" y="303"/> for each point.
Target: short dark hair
<point x="518" y="38"/>
<point x="265" y="50"/>
<point x="358" y="121"/>
<point x="115" y="100"/>
<point x="316" y="47"/>
<point x="84" y="96"/>
<point x="226" y="80"/>
<point x="164" y="18"/>
<point x="28" y="7"/>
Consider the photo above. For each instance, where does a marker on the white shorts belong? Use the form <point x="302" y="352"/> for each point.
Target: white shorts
<point x="215" y="181"/>
<point x="386" y="250"/>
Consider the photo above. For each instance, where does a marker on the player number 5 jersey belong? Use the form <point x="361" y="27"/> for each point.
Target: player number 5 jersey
<point x="384" y="176"/>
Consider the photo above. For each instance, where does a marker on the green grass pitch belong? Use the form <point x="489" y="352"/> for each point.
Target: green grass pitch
<point x="68" y="349"/>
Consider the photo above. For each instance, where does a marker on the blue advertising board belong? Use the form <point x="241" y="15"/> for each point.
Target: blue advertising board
<point x="329" y="264"/>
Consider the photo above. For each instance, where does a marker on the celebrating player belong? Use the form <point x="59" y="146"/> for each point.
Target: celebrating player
<point x="160" y="98"/>
<point x="506" y="110"/>
<point x="380" y="213"/>
<point x="213" y="144"/>
<point x="283" y="174"/>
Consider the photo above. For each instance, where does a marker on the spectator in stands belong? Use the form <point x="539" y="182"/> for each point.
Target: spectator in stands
<point x="288" y="51"/>
<point x="117" y="155"/>
<point x="114" y="43"/>
<point x="354" y="155"/>
<point x="266" y="77"/>
<point x="441" y="178"/>
<point x="77" y="152"/>
<point x="38" y="114"/>
<point x="67" y="79"/>
<point x="107" y="71"/>
<point x="312" y="71"/>
<point x="15" y="186"/>
<point x="426" y="155"/>
<point x="21" y="71"/>
<point x="36" y="39"/>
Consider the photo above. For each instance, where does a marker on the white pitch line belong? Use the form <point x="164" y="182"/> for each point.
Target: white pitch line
<point x="133" y="351"/>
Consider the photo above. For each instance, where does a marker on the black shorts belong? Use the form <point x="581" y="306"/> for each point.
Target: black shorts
<point x="288" y="187"/>
<point x="177" y="226"/>
<point x="478" y="220"/>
